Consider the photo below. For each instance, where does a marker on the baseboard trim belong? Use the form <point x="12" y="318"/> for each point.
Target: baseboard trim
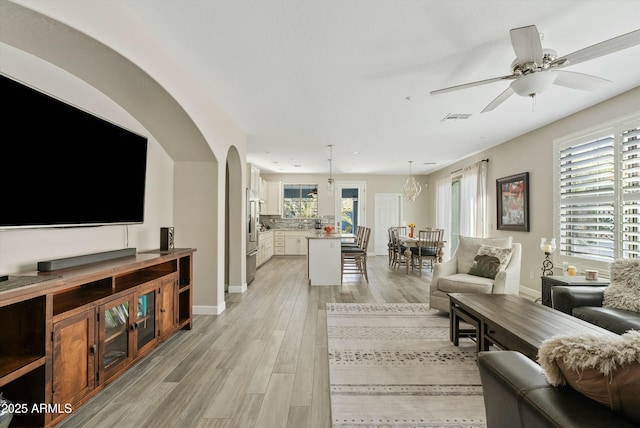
<point x="530" y="293"/>
<point x="209" y="310"/>
<point x="238" y="289"/>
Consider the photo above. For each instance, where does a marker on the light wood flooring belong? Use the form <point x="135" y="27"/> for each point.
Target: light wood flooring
<point x="261" y="363"/>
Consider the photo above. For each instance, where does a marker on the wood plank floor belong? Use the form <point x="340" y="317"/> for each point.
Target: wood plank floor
<point x="261" y="363"/>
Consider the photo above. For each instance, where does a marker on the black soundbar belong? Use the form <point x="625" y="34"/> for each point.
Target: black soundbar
<point x="68" y="262"/>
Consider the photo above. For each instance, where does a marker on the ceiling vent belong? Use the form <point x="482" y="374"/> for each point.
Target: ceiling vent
<point x="456" y="116"/>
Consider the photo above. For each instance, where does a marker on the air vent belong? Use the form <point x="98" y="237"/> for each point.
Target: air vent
<point x="456" y="116"/>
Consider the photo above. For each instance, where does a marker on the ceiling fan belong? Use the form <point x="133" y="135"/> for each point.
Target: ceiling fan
<point x="535" y="69"/>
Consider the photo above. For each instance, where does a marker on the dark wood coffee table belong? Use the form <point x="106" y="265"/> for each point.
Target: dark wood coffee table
<point x="512" y="323"/>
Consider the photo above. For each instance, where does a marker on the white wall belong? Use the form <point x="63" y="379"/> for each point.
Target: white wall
<point x="21" y="249"/>
<point x="533" y="152"/>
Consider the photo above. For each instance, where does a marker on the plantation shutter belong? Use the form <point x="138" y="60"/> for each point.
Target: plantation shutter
<point x="587" y="198"/>
<point x="630" y="185"/>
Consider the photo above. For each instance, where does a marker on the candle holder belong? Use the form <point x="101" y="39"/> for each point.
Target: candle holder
<point x="548" y="246"/>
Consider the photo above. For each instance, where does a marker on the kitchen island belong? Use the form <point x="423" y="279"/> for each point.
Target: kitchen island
<point x="324" y="263"/>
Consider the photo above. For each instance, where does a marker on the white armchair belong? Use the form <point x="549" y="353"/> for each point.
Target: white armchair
<point x="452" y="276"/>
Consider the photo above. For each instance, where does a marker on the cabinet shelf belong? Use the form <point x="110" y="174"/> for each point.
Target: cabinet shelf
<point x="12" y="367"/>
<point x="82" y="295"/>
<point x="111" y="335"/>
<point x="148" y="274"/>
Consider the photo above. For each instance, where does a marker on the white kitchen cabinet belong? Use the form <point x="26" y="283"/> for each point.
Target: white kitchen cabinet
<point x="278" y="242"/>
<point x="265" y="247"/>
<point x="290" y="242"/>
<point x="272" y="198"/>
<point x="253" y="178"/>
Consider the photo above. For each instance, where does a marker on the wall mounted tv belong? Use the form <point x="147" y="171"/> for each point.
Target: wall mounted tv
<point x="65" y="167"/>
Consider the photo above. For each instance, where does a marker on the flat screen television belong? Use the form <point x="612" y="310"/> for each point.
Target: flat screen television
<point x="65" y="167"/>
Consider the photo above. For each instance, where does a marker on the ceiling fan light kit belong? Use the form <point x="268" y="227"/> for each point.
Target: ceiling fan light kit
<point x="535" y="69"/>
<point x="533" y="84"/>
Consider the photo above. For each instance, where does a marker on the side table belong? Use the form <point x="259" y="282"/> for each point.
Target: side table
<point x="552" y="281"/>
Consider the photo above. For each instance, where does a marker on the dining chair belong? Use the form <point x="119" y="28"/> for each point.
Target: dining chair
<point x="426" y="249"/>
<point x="390" y="245"/>
<point x="399" y="249"/>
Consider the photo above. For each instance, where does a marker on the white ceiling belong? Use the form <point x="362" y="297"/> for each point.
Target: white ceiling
<point x="299" y="75"/>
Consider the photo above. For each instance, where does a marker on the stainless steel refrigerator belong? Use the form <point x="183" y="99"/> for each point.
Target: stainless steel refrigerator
<point x="252" y="233"/>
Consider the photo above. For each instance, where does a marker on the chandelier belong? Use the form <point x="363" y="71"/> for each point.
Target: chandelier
<point x="411" y="188"/>
<point x="330" y="181"/>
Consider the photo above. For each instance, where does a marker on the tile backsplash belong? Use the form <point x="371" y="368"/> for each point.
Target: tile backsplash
<point x="277" y="222"/>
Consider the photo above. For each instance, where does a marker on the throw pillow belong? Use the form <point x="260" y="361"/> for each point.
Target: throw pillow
<point x="624" y="290"/>
<point x="468" y="248"/>
<point x="603" y="368"/>
<point x="489" y="261"/>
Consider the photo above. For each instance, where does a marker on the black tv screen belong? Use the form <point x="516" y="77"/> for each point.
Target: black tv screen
<point x="63" y="166"/>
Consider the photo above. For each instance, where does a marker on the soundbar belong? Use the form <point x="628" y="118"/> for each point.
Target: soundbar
<point x="68" y="262"/>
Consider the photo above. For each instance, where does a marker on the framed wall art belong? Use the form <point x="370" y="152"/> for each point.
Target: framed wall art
<point x="513" y="202"/>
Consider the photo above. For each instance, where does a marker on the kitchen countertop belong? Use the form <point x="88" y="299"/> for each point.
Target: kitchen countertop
<point x="323" y="235"/>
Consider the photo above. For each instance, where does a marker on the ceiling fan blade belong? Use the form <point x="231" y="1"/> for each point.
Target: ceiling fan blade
<point x="472" y="84"/>
<point x="498" y="100"/>
<point x="526" y="44"/>
<point x="599" y="49"/>
<point x="585" y="82"/>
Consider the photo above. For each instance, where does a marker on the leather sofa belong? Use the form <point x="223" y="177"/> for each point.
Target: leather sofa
<point x="517" y="394"/>
<point x="586" y="303"/>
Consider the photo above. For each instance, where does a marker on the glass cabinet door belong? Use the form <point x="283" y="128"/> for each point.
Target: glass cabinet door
<point x="145" y="324"/>
<point x="115" y="349"/>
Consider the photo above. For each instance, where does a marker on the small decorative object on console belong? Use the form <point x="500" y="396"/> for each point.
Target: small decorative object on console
<point x="166" y="238"/>
<point x="548" y="246"/>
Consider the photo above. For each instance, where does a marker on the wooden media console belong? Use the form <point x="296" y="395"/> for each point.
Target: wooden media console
<point x="68" y="333"/>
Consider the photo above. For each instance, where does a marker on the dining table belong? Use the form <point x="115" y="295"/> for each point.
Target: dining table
<point x="412" y="241"/>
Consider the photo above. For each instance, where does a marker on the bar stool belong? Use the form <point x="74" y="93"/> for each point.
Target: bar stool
<point x="354" y="258"/>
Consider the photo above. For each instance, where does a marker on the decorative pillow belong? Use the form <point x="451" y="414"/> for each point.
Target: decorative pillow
<point x="624" y="290"/>
<point x="468" y="248"/>
<point x="489" y="261"/>
<point x="603" y="368"/>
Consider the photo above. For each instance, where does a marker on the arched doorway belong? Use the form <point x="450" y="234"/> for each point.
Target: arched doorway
<point x="235" y="260"/>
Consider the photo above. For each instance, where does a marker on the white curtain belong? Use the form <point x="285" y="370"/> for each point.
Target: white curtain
<point x="443" y="210"/>
<point x="473" y="201"/>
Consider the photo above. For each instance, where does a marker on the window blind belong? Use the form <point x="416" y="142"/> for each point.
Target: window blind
<point x="599" y="195"/>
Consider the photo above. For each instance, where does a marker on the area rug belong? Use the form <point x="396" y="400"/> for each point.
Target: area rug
<point x="393" y="365"/>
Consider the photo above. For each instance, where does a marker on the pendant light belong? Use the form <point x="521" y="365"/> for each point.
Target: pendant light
<point x="330" y="181"/>
<point x="411" y="188"/>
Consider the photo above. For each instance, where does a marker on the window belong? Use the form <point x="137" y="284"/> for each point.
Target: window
<point x="300" y="200"/>
<point x="598" y="197"/>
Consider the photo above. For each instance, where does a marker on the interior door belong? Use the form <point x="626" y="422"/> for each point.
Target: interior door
<point x="388" y="213"/>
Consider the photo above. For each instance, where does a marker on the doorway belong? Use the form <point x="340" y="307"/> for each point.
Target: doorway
<point x="350" y="206"/>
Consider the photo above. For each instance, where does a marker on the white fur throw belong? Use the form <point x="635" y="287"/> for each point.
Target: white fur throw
<point x="624" y="290"/>
<point x="604" y="368"/>
<point x="602" y="353"/>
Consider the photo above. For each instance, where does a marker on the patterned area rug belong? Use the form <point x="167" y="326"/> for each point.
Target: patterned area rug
<point x="393" y="365"/>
